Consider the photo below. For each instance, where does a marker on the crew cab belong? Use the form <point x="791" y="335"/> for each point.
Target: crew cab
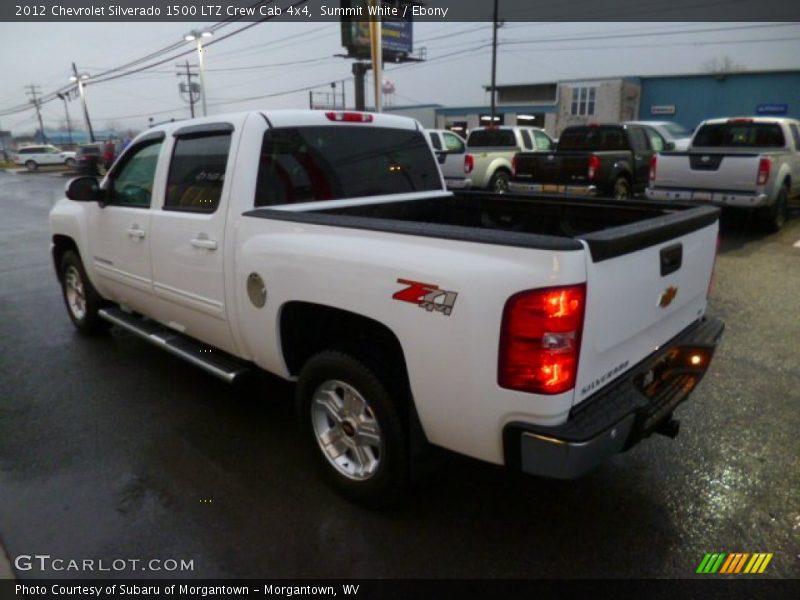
<point x="324" y="248"/>
<point x="595" y="160"/>
<point x="492" y="149"/>
<point x="32" y="157"/>
<point x="748" y="163"/>
<point x="451" y="154"/>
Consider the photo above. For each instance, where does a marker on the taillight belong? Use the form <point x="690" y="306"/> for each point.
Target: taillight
<point x="653" y="162"/>
<point x="514" y="166"/>
<point x="540" y="340"/>
<point x="594" y="166"/>
<point x="764" y="166"/>
<point x="349" y="117"/>
<point x="469" y="163"/>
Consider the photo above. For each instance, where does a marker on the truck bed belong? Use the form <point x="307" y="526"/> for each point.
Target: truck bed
<point x="609" y="227"/>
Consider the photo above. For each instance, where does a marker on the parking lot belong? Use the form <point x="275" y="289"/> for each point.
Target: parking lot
<point x="112" y="449"/>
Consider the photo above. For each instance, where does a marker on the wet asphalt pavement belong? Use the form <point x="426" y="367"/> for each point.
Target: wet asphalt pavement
<point x="110" y="448"/>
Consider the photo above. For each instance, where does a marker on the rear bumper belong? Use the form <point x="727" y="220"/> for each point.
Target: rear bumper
<point x="618" y="416"/>
<point x="553" y="188"/>
<point x="717" y="198"/>
<point x="458" y="184"/>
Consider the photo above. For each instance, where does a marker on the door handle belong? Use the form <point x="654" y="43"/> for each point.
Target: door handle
<point x="201" y="242"/>
<point x="136" y="232"/>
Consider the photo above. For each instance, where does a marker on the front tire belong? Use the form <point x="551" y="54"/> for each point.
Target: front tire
<point x="499" y="182"/>
<point x="82" y="300"/>
<point x="354" y="428"/>
<point x="31" y="165"/>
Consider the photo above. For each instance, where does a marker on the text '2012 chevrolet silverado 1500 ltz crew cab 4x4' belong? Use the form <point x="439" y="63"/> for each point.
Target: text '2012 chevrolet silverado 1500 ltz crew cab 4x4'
<point x="750" y="163"/>
<point x="323" y="247"/>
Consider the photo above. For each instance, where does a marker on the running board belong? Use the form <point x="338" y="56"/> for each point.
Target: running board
<point x="216" y="362"/>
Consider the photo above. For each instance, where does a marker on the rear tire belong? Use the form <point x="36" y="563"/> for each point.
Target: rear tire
<point x="70" y="163"/>
<point x="499" y="182"/>
<point x="31" y="165"/>
<point x="353" y="427"/>
<point x="622" y="188"/>
<point x="774" y="217"/>
<point x="82" y="300"/>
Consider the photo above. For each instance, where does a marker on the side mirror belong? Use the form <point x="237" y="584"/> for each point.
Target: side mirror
<point x="669" y="146"/>
<point x="83" y="189"/>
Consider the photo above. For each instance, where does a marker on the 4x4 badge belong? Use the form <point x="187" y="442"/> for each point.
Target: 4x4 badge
<point x="427" y="296"/>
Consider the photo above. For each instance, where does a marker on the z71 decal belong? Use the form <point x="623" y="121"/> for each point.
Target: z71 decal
<point x="427" y="296"/>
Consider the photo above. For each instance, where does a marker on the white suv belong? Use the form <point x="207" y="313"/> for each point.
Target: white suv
<point x="33" y="156"/>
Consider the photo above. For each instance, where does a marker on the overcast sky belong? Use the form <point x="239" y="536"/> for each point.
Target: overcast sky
<point x="458" y="65"/>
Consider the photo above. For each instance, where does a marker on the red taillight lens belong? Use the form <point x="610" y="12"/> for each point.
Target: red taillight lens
<point x="349" y="117"/>
<point x="764" y="166"/>
<point x="653" y="164"/>
<point x="469" y="163"/>
<point x="594" y="166"/>
<point x="514" y="166"/>
<point x="540" y="340"/>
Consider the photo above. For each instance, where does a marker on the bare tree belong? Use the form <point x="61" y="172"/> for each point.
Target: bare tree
<point x="722" y="66"/>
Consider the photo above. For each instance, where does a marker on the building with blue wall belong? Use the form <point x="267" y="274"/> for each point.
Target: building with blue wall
<point x="689" y="99"/>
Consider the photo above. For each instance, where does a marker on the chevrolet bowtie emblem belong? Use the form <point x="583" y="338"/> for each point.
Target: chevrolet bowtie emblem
<point x="667" y="296"/>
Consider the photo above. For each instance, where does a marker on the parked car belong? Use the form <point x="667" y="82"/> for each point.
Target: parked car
<point x="34" y="156"/>
<point x="492" y="149"/>
<point x="451" y="154"/>
<point x="750" y="163"/>
<point x="90" y="159"/>
<point x="323" y="247"/>
<point x="670" y="131"/>
<point x="597" y="160"/>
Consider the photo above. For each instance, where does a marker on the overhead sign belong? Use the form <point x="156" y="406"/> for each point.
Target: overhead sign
<point x="396" y="32"/>
<point x="662" y="109"/>
<point x="772" y="109"/>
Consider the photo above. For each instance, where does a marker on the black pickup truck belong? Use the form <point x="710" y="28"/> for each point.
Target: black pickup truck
<point x="596" y="160"/>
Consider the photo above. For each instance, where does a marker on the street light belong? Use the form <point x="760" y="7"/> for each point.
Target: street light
<point x="80" y="79"/>
<point x="197" y="36"/>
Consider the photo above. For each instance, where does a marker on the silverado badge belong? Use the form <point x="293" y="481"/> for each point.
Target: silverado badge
<point x="667" y="296"/>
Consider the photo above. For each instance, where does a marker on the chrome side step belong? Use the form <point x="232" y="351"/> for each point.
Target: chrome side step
<point x="218" y="363"/>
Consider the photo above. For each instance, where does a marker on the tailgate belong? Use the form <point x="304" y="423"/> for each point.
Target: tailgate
<point x="550" y="167"/>
<point x="707" y="171"/>
<point x="646" y="282"/>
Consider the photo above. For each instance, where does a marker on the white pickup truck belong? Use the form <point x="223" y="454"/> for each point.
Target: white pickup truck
<point x="323" y="247"/>
<point x="744" y="162"/>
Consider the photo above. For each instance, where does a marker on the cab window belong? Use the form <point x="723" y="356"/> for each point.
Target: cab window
<point x="132" y="180"/>
<point x="657" y="143"/>
<point x="454" y="143"/>
<point x="543" y="142"/>
<point x="437" y="145"/>
<point x="526" y="139"/>
<point x="197" y="172"/>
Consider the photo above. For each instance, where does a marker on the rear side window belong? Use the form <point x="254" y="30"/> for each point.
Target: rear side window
<point x="592" y="139"/>
<point x="197" y="172"/>
<point x="638" y="139"/>
<point x="739" y="135"/>
<point x="305" y="164"/>
<point x="437" y="145"/>
<point x="492" y="138"/>
<point x="526" y="139"/>
<point x="656" y="141"/>
<point x="453" y="143"/>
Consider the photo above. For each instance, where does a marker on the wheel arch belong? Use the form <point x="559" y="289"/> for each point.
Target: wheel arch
<point x="61" y="244"/>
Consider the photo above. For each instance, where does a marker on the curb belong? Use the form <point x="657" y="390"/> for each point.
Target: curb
<point x="6" y="572"/>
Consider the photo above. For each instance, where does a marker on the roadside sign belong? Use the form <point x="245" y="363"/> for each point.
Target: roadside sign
<point x="772" y="109"/>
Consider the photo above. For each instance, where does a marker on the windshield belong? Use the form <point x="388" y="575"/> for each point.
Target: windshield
<point x="676" y="130"/>
<point x="739" y="135"/>
<point x="492" y="138"/>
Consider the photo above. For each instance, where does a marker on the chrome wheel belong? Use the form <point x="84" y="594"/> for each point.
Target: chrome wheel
<point x="346" y="430"/>
<point x="76" y="296"/>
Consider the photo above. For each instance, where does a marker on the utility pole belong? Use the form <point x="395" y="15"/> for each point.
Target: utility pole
<point x="494" y="59"/>
<point x="66" y="110"/>
<point x="79" y="80"/>
<point x="189" y="86"/>
<point x="32" y="90"/>
<point x="359" y="70"/>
